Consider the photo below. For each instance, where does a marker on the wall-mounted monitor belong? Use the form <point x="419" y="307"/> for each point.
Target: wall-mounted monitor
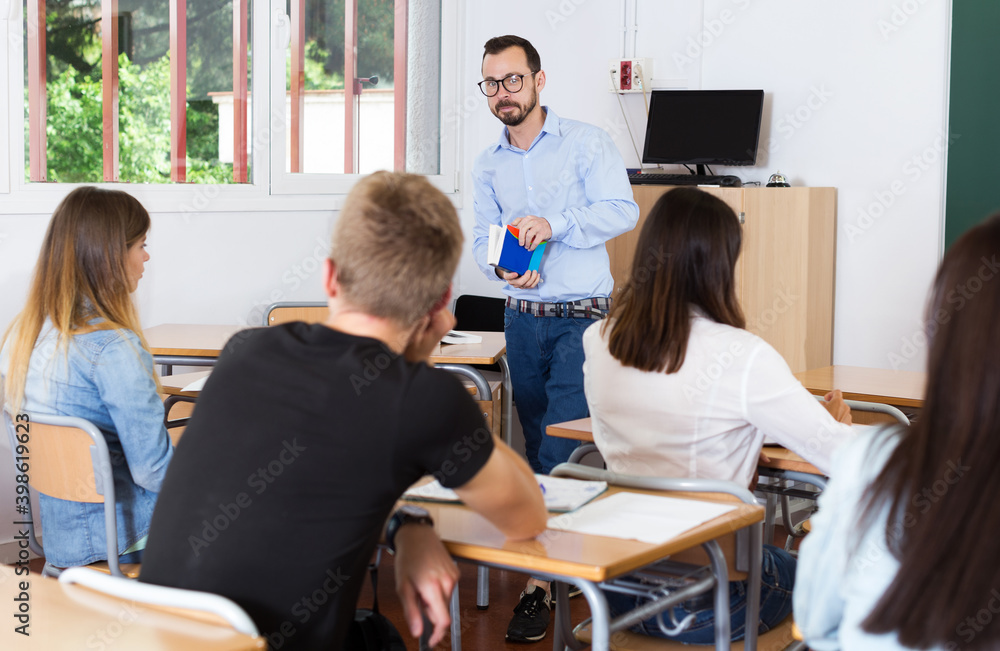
<point x="703" y="127"/>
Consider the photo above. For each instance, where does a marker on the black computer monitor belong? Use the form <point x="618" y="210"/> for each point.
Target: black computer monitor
<point x="703" y="127"/>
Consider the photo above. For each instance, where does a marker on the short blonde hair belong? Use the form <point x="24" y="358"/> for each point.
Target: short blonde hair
<point x="396" y="246"/>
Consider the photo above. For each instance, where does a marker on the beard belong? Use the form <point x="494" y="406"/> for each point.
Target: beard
<point x="514" y="118"/>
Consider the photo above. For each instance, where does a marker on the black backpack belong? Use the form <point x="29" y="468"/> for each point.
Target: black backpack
<point x="371" y="630"/>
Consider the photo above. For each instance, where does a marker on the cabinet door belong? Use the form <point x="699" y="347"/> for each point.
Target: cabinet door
<point x="789" y="243"/>
<point x="622" y="249"/>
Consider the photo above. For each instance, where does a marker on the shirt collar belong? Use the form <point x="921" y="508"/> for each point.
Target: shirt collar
<point x="551" y="125"/>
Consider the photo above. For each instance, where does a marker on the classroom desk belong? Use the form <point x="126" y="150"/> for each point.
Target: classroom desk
<point x="175" y="344"/>
<point x="580" y="559"/>
<point x="74" y="617"/>
<point x="896" y="388"/>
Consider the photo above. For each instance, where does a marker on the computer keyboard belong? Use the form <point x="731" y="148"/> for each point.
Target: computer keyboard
<point x="647" y="178"/>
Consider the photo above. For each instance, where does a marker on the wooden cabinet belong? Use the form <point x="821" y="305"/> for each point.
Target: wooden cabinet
<point x="785" y="275"/>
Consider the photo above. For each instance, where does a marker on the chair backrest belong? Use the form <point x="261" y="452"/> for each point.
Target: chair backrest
<point x="735" y="548"/>
<point x="874" y="413"/>
<point x="174" y="599"/>
<point x="70" y="461"/>
<point x="479" y="313"/>
<point x="310" y="312"/>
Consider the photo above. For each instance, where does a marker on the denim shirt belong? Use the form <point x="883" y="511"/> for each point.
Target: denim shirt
<point x="104" y="376"/>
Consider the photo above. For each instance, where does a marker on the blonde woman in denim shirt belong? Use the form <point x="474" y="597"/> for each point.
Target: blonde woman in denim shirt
<point x="77" y="350"/>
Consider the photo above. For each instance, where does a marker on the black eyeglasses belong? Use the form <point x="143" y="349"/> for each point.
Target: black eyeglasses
<point x="512" y="83"/>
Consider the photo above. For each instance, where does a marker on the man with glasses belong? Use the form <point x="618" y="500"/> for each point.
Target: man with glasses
<point x="564" y="182"/>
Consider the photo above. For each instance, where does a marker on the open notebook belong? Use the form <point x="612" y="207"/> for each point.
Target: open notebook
<point x="561" y="494"/>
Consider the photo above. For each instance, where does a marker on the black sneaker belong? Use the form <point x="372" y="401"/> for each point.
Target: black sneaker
<point x="531" y="616"/>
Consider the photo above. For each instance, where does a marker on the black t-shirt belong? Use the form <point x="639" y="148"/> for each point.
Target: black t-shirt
<point x="302" y="440"/>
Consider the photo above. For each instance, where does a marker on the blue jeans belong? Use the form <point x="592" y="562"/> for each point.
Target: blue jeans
<point x="545" y="355"/>
<point x="776" y="581"/>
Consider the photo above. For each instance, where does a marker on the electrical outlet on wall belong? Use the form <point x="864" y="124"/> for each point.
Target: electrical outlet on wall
<point x="630" y="75"/>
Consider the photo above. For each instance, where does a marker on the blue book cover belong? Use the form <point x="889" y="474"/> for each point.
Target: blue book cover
<point x="506" y="253"/>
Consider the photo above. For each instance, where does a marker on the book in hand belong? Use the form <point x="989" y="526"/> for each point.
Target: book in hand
<point x="504" y="251"/>
<point x="562" y="494"/>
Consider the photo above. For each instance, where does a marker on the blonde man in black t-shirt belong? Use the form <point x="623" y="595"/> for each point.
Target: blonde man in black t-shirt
<point x="306" y="435"/>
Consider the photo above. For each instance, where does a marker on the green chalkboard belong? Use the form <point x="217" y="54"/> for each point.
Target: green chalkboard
<point x="973" y="116"/>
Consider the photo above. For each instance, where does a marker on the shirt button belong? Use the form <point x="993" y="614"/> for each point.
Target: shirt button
<point x="530" y="188"/>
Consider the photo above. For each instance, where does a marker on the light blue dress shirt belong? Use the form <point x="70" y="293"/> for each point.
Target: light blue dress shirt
<point x="574" y="177"/>
<point x="106" y="377"/>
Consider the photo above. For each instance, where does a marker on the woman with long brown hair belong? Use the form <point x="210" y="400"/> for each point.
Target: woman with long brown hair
<point x="77" y="350"/>
<point x="904" y="549"/>
<point x="678" y="388"/>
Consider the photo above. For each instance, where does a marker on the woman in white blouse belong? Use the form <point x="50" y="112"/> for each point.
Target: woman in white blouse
<point x="678" y="388"/>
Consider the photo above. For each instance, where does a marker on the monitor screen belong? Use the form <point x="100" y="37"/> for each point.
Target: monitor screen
<point x="703" y="127"/>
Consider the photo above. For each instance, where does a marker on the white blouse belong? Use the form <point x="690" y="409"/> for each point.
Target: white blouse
<point x="708" y="419"/>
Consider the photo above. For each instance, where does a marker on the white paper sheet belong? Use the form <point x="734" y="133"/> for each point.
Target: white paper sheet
<point x="197" y="385"/>
<point x="635" y="516"/>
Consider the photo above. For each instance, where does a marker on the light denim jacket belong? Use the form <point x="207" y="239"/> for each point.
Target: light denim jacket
<point x="104" y="376"/>
<point x="844" y="570"/>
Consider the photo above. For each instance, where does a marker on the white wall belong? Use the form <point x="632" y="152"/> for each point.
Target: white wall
<point x="878" y="101"/>
<point x="869" y="96"/>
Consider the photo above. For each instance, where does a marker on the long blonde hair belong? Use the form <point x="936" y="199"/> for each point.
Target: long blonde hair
<point x="81" y="275"/>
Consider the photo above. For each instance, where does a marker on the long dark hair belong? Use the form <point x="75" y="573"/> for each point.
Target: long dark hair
<point x="941" y="481"/>
<point x="686" y="256"/>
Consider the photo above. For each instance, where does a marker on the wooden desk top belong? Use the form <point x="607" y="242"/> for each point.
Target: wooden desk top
<point x="194" y="340"/>
<point x="174" y="384"/>
<point x="189" y="340"/>
<point x="784" y="459"/>
<point x="74" y="617"/>
<point x="489" y="351"/>
<point x="899" y="388"/>
<point x="469" y="536"/>
<point x="580" y="429"/>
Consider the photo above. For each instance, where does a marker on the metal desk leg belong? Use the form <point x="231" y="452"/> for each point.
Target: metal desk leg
<point x="456" y="621"/>
<point x="723" y="625"/>
<point x="753" y="594"/>
<point x="482" y="587"/>
<point x="600" y="625"/>
<point x="770" y="509"/>
<point x="507" y="422"/>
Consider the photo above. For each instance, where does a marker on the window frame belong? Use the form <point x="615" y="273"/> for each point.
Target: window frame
<point x="270" y="188"/>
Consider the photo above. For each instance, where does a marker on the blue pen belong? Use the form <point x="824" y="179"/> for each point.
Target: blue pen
<point x="542" y="486"/>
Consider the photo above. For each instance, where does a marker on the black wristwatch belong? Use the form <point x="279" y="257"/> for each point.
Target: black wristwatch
<point x="406" y="514"/>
